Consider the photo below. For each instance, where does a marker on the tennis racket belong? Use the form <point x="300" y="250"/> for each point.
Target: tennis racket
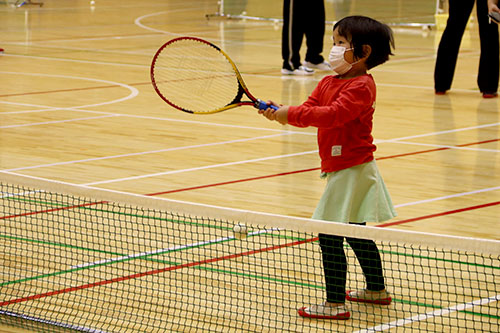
<point x="196" y="76"/>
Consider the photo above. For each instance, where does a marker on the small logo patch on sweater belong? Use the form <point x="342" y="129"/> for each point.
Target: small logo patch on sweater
<point x="336" y="150"/>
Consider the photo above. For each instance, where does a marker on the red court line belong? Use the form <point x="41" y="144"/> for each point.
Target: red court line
<point x="234" y="181"/>
<point x="58" y="91"/>
<point x="313" y="169"/>
<point x="51" y="210"/>
<point x="72" y="89"/>
<point x="153" y="272"/>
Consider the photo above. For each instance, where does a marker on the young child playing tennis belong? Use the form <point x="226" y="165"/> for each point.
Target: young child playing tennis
<point x="342" y="108"/>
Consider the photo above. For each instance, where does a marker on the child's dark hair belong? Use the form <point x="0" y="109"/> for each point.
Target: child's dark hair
<point x="362" y="30"/>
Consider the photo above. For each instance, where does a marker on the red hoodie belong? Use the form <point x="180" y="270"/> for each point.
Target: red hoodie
<point x="342" y="110"/>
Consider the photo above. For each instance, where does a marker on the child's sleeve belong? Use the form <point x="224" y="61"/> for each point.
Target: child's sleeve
<point x="335" y="109"/>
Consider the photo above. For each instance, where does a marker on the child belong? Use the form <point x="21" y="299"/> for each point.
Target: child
<point x="342" y="107"/>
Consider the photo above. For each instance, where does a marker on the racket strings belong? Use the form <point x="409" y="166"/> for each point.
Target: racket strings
<point x="195" y="76"/>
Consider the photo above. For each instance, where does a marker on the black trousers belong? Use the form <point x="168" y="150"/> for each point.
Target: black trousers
<point x="459" y="13"/>
<point x="335" y="265"/>
<point x="302" y="18"/>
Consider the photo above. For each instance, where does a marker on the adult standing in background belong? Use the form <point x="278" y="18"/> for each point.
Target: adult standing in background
<point x="303" y="18"/>
<point x="488" y="73"/>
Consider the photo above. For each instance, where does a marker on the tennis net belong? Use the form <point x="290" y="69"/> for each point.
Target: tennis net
<point x="79" y="258"/>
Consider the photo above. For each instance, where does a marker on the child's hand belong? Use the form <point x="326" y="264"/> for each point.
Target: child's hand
<point x="280" y="115"/>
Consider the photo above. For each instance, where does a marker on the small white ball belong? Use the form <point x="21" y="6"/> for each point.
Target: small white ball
<point x="240" y="231"/>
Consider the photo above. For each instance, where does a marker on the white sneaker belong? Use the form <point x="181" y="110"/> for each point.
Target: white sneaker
<point x="375" y="297"/>
<point x="302" y="70"/>
<point x="322" y="66"/>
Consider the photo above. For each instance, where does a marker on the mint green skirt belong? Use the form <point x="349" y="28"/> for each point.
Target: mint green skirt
<point x="357" y="194"/>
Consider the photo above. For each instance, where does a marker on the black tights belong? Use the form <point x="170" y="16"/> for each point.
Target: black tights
<point x="335" y="265"/>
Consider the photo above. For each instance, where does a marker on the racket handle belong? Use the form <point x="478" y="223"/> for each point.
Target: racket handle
<point x="261" y="105"/>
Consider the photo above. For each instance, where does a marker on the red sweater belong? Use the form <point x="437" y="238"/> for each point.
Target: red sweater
<point x="342" y="110"/>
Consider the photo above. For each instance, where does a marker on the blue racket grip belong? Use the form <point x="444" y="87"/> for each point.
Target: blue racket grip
<point x="261" y="105"/>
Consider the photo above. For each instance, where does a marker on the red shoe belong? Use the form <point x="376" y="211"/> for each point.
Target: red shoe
<point x="490" y="95"/>
<point x="322" y="311"/>
<point x="1" y="50"/>
<point x="380" y="297"/>
<point x="438" y="92"/>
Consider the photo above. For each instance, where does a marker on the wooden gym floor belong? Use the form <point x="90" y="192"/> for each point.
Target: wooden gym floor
<point x="77" y="105"/>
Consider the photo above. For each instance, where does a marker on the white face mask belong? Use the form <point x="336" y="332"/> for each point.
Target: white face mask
<point x="336" y="59"/>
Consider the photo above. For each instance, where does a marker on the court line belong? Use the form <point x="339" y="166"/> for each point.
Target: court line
<point x="148" y="152"/>
<point x="454" y="211"/>
<point x="171" y="172"/>
<point x="167" y="250"/>
<point x="495" y="188"/>
<point x="133" y="91"/>
<point x="294" y="172"/>
<point x="266" y="159"/>
<point x="46" y="108"/>
<point x="76" y="61"/>
<point x="43" y="92"/>
<point x="437" y="313"/>
<point x="152" y="272"/>
<point x="455" y="130"/>
<point x="59" y="121"/>
<point x="447" y="146"/>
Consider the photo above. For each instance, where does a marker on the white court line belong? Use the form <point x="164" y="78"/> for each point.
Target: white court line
<point x="441" y="132"/>
<point x="410" y="143"/>
<point x="171" y="172"/>
<point x="80" y="109"/>
<point x="264" y="158"/>
<point x="425" y="316"/>
<point x="148" y="152"/>
<point x="448" y="197"/>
